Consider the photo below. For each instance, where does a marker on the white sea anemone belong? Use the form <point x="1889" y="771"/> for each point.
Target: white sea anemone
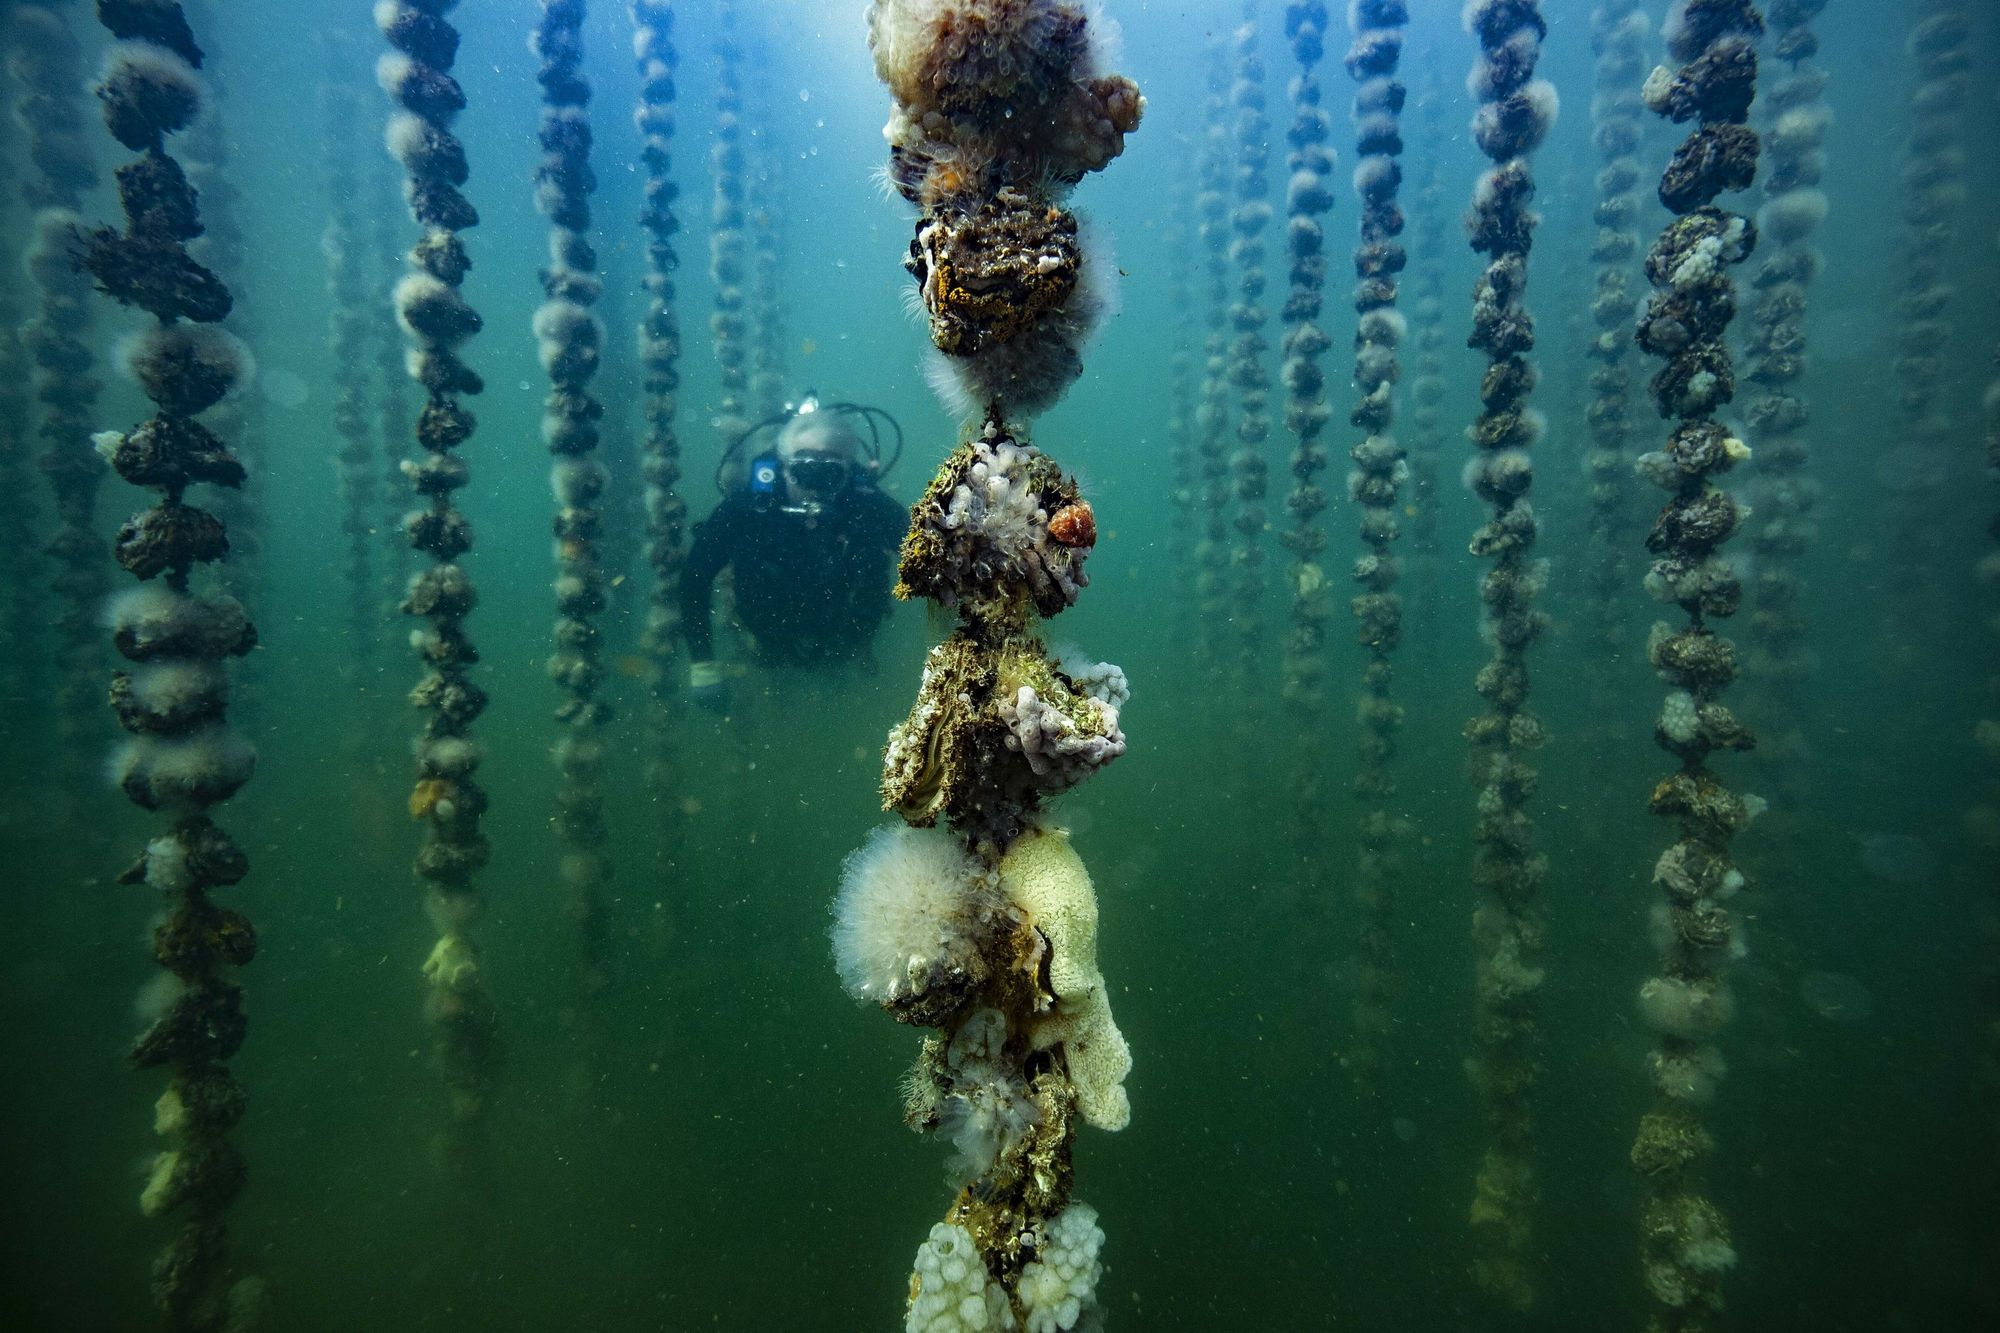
<point x="186" y="368"/>
<point x="910" y="901"/>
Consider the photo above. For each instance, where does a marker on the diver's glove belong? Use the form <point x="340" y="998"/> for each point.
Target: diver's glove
<point x="708" y="687"/>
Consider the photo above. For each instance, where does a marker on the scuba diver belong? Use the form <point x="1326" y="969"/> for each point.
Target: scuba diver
<point x="811" y="538"/>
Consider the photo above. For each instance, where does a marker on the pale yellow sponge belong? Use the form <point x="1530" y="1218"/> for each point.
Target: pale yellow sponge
<point x="1044" y="878"/>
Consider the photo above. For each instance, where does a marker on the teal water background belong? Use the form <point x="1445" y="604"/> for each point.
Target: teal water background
<point x="731" y="1156"/>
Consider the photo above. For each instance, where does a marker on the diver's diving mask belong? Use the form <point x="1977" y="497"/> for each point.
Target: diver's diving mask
<point x="812" y="452"/>
<point x="818" y="472"/>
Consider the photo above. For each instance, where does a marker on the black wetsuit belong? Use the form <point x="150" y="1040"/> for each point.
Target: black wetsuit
<point x="809" y="589"/>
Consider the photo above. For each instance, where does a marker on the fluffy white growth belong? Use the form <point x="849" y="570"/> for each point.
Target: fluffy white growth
<point x="906" y="901"/>
<point x="170" y="1113"/>
<point x="154" y="79"/>
<point x="161" y="1192"/>
<point x="1660" y="927"/>
<point x="1382" y="325"/>
<point x="156" y="997"/>
<point x="1801" y="129"/>
<point x="1793" y="215"/>
<point x="648" y="40"/>
<point x="567" y="251"/>
<point x="1688" y="1076"/>
<point x="1703" y="391"/>
<point x="1544" y="104"/>
<point x="1704" y="1246"/>
<point x="950" y="1291"/>
<point x="1657" y="89"/>
<point x="393" y="70"/>
<point x="167" y="865"/>
<point x="1374" y="364"/>
<point x="448" y="756"/>
<point x="1630" y="33"/>
<point x="1659" y="468"/>
<point x="898" y="36"/>
<point x="1518" y="123"/>
<point x="574" y="752"/>
<point x="421" y="148"/>
<point x="450" y="913"/>
<point x="412" y="290"/>
<point x="431" y="311"/>
<point x="1030" y="371"/>
<point x="942" y="374"/>
<point x="1690" y="1009"/>
<point x="1373" y="175"/>
<point x="143" y="608"/>
<point x="1307" y="193"/>
<point x="577" y="482"/>
<point x="187" y="771"/>
<point x="1709" y="1254"/>
<point x="1678" y="34"/>
<point x="1505" y="470"/>
<point x="582" y="869"/>
<point x="1483" y="84"/>
<point x="568" y="334"/>
<point x="405" y="137"/>
<point x="1376" y="95"/>
<point x="186" y="368"/>
<point x="47" y="260"/>
<point x="1059" y="1288"/>
<point x="549" y="197"/>
<point x="1486" y="189"/>
<point x="174" y="686"/>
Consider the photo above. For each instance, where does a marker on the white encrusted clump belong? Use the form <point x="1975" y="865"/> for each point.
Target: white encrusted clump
<point x="950" y="1291"/>
<point x="1102" y="681"/>
<point x="1058" y="1290"/>
<point x="1698" y="265"/>
<point x="1061" y="752"/>
<point x="994" y="501"/>
<point x="996" y="531"/>
<point x="1679" y="721"/>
